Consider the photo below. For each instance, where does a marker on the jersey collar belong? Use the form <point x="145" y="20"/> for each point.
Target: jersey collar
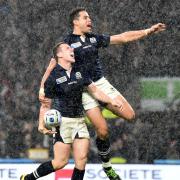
<point x="77" y="35"/>
<point x="60" y="68"/>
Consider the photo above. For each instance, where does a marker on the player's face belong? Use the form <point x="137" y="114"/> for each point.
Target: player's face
<point x="84" y="22"/>
<point x="67" y="53"/>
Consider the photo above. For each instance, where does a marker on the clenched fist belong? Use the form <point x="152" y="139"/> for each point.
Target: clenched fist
<point x="155" y="28"/>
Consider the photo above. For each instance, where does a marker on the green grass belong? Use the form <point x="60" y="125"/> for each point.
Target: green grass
<point x="176" y="89"/>
<point x="153" y="89"/>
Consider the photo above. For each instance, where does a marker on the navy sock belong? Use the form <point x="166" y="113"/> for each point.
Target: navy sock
<point x="103" y="149"/>
<point x="78" y="174"/>
<point x="43" y="170"/>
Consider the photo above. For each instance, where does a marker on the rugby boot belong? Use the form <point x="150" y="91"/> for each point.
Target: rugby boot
<point x="23" y="177"/>
<point x="111" y="174"/>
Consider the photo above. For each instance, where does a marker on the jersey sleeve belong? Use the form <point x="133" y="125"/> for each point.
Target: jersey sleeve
<point x="66" y="39"/>
<point x="49" y="87"/>
<point x="102" y="40"/>
<point x="86" y="78"/>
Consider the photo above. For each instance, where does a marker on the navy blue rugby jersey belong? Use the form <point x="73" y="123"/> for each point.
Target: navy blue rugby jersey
<point x="67" y="90"/>
<point x="86" y="52"/>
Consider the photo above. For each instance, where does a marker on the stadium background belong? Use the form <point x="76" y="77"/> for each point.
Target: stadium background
<point x="146" y="72"/>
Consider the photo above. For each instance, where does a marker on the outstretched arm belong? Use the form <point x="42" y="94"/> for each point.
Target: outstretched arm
<point x="135" y="35"/>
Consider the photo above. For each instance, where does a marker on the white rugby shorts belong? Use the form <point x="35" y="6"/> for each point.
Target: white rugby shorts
<point x="70" y="129"/>
<point x="90" y="102"/>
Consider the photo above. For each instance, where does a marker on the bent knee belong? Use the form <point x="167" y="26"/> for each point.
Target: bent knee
<point x="130" y="116"/>
<point x="59" y="164"/>
<point x="81" y="162"/>
<point x="83" y="158"/>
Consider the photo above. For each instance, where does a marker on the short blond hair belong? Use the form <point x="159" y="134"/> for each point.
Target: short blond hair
<point x="56" y="48"/>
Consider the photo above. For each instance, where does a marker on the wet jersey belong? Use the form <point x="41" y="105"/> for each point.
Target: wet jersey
<point x="67" y="90"/>
<point x="86" y="52"/>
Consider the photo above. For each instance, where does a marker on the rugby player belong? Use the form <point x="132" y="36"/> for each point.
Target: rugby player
<point x="65" y="84"/>
<point x="86" y="45"/>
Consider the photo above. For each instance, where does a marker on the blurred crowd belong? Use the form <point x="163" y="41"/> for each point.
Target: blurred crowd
<point x="29" y="30"/>
<point x="153" y="135"/>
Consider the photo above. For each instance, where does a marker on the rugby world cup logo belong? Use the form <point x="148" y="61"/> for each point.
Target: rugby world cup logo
<point x="78" y="75"/>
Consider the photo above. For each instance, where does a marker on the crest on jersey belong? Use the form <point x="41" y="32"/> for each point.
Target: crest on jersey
<point x="76" y="45"/>
<point x="78" y="75"/>
<point x="93" y="40"/>
<point x="61" y="80"/>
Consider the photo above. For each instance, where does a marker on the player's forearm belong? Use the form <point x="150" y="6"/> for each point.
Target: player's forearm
<point x="45" y="106"/>
<point x="135" y="35"/>
<point x="43" y="110"/>
<point x="45" y="76"/>
<point x="129" y="36"/>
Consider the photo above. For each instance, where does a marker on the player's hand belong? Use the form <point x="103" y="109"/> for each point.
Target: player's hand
<point x="46" y="131"/>
<point x="156" y="28"/>
<point x="41" y="94"/>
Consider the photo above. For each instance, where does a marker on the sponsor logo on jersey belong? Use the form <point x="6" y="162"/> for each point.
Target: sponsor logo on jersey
<point x="73" y="82"/>
<point x="76" y="45"/>
<point x="61" y="80"/>
<point x="93" y="40"/>
<point x="87" y="46"/>
<point x="78" y="75"/>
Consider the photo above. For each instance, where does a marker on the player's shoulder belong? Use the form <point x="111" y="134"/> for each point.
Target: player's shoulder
<point x="56" y="69"/>
<point x="96" y="36"/>
<point x="68" y="38"/>
<point x="52" y="77"/>
<point x="91" y="34"/>
<point x="53" y="72"/>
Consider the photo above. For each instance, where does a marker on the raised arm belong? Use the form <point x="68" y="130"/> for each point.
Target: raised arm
<point x="101" y="96"/>
<point x="50" y="67"/>
<point x="135" y="35"/>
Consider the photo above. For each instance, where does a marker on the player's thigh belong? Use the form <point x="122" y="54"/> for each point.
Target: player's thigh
<point x="97" y="119"/>
<point x="80" y="148"/>
<point x="126" y="111"/>
<point x="88" y="101"/>
<point x="61" y="154"/>
<point x="80" y="152"/>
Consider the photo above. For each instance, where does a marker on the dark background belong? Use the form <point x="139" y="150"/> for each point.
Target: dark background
<point x="29" y="30"/>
